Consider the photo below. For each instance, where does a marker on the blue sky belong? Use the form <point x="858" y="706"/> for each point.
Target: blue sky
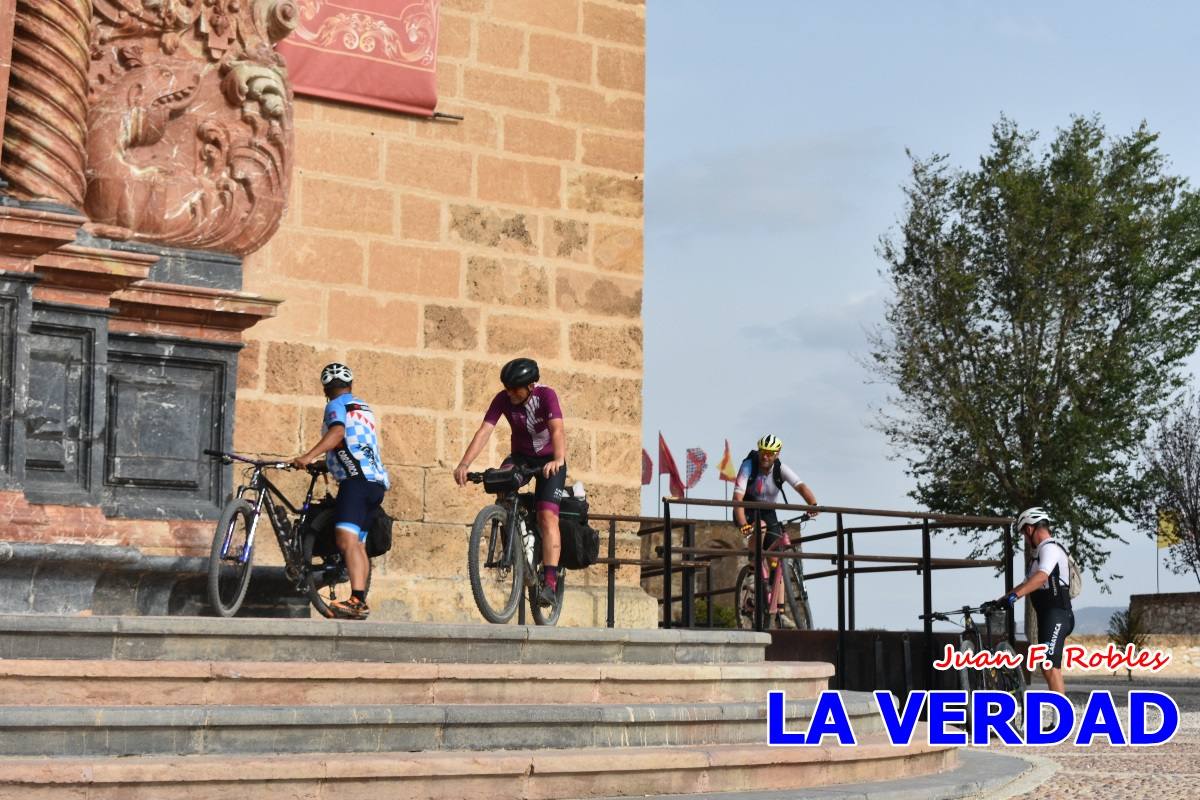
<point x="775" y="156"/>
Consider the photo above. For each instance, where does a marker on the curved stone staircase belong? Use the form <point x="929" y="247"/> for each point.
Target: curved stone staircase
<point x="165" y="707"/>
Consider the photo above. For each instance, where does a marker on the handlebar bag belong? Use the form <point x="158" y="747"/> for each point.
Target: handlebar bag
<point x="500" y="481"/>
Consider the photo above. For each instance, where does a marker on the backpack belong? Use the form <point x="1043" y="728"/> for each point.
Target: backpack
<point x="1075" y="581"/>
<point x="776" y="473"/>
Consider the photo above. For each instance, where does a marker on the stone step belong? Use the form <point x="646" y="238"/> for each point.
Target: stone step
<point x="211" y="639"/>
<point x="502" y="775"/>
<point x="67" y="731"/>
<point x="38" y="682"/>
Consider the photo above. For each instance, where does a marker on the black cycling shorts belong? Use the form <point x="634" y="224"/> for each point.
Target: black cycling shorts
<point x="547" y="492"/>
<point x="769" y="520"/>
<point x="357" y="500"/>
<point x="1054" y="626"/>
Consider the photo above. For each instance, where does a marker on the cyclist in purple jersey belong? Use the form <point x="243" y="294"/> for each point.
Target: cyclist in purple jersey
<point x="538" y="440"/>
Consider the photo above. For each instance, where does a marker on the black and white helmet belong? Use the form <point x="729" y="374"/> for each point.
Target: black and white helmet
<point x="1032" y="516"/>
<point x="336" y="372"/>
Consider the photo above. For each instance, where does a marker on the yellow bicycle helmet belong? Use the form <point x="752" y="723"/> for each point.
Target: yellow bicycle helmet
<point x="771" y="443"/>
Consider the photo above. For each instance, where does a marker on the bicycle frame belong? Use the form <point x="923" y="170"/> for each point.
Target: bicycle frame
<point x="513" y="543"/>
<point x="267" y="494"/>
<point x="784" y="543"/>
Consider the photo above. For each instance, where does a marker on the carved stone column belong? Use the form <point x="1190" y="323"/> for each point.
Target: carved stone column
<point x="46" y="121"/>
<point x="189" y="128"/>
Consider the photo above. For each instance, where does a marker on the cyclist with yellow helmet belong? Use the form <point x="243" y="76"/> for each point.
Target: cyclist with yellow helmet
<point x="761" y="478"/>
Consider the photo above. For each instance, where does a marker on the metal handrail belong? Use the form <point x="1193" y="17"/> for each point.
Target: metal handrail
<point x="845" y="558"/>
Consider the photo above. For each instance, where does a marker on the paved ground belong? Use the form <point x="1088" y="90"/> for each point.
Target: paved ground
<point x="1166" y="772"/>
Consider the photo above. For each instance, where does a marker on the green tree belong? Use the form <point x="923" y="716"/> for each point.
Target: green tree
<point x="1042" y="306"/>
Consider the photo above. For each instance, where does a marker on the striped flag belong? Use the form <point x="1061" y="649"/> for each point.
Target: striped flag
<point x="647" y="468"/>
<point x="697" y="461"/>
<point x="726" y="468"/>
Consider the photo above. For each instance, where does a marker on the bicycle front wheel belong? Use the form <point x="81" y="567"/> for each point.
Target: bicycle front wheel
<point x="547" y="615"/>
<point x="495" y="579"/>
<point x="231" y="559"/>
<point x="797" y="599"/>
<point x="1011" y="680"/>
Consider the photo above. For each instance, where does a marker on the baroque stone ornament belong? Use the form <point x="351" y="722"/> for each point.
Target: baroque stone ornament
<point x="189" y="128"/>
<point x="44" y="129"/>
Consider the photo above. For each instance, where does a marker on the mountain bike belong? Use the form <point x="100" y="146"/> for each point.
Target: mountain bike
<point x="973" y="640"/>
<point x="795" y="612"/>
<point x="311" y="560"/>
<point x="505" y="550"/>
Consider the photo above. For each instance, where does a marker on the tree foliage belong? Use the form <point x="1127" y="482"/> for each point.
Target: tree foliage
<point x="1171" y="473"/>
<point x="1042" y="305"/>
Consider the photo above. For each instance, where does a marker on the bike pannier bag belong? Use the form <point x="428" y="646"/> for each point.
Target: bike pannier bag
<point x="379" y="535"/>
<point x="500" y="481"/>
<point x="574" y="509"/>
<point x="580" y="545"/>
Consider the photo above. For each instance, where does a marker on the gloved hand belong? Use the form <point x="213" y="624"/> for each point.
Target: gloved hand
<point x="746" y="529"/>
<point x="1009" y="599"/>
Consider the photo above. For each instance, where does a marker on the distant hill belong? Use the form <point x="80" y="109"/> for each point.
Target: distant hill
<point x="1090" y="621"/>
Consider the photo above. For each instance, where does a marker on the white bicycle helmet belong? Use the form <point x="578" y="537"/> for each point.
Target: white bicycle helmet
<point x="1032" y="516"/>
<point x="336" y="372"/>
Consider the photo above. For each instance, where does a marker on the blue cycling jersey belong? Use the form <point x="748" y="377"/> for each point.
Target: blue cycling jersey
<point x="358" y="455"/>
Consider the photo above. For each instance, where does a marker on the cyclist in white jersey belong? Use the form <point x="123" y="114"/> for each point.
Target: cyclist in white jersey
<point x="761" y="478"/>
<point x="1048" y="586"/>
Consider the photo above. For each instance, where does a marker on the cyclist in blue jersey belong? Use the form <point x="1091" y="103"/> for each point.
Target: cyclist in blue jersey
<point x="350" y="444"/>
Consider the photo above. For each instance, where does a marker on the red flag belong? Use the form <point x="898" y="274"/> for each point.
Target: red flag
<point x="647" y="468"/>
<point x="697" y="461"/>
<point x="726" y="468"/>
<point x="666" y="466"/>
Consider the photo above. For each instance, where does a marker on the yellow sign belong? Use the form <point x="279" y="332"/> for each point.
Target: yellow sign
<point x="1168" y="528"/>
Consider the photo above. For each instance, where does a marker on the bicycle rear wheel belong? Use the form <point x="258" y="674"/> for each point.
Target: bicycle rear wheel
<point x="495" y="580"/>
<point x="230" y="561"/>
<point x="325" y="575"/>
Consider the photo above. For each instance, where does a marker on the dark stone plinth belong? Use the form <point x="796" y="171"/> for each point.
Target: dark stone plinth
<point x="121" y="581"/>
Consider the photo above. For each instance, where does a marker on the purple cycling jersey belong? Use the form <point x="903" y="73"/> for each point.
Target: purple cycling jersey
<point x="530" y="421"/>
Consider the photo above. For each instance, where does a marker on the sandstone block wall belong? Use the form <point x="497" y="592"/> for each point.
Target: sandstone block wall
<point x="425" y="254"/>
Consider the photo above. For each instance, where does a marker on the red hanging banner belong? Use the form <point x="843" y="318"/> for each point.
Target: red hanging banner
<point x="380" y="53"/>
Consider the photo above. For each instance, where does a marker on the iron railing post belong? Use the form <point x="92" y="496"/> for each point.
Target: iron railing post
<point x="689" y="578"/>
<point x="708" y="595"/>
<point x="927" y="600"/>
<point x="850" y="576"/>
<point x="760" y="595"/>
<point x="1010" y="619"/>
<point x="611" y="616"/>
<point x="667" y="577"/>
<point x="841" y="604"/>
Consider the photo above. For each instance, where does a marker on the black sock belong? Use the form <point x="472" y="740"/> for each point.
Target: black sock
<point x="360" y="595"/>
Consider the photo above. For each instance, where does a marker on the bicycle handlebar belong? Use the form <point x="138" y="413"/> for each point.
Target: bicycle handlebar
<point x="519" y="471"/>
<point x="985" y="609"/>
<point x="316" y="468"/>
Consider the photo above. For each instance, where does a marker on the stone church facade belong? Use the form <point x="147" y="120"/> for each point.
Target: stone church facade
<point x="183" y="243"/>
